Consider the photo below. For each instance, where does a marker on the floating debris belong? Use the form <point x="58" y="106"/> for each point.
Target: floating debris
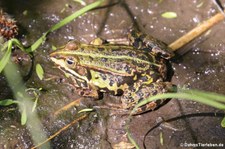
<point x="169" y="15"/>
<point x="8" y="27"/>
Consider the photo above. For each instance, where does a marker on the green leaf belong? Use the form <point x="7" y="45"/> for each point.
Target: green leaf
<point x="35" y="104"/>
<point x="18" y="44"/>
<point x="85" y="110"/>
<point x="6" y="56"/>
<point x="54" y="48"/>
<point x="39" y="71"/>
<point x="24" y="117"/>
<point x="37" y="43"/>
<point x="7" y="102"/>
<point x="161" y="138"/>
<point x="36" y="94"/>
<point x="169" y="15"/>
<point x="223" y="122"/>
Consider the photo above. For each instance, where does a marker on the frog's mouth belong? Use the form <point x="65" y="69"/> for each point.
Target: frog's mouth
<point x="60" y="62"/>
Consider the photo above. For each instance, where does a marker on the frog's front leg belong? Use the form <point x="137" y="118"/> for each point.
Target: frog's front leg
<point x="84" y="89"/>
<point x="130" y="99"/>
<point x="150" y="44"/>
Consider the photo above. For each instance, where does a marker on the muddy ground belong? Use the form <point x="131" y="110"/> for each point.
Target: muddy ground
<point x="200" y="66"/>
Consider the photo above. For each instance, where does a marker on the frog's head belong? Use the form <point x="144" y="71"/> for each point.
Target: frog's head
<point x="64" y="56"/>
<point x="67" y="60"/>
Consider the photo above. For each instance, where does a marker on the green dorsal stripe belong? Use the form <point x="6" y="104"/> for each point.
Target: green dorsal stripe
<point x="99" y="55"/>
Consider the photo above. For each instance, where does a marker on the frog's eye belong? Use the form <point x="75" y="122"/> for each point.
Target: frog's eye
<point x="70" y="61"/>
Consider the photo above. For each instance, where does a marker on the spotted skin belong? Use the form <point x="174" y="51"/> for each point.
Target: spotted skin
<point x="127" y="70"/>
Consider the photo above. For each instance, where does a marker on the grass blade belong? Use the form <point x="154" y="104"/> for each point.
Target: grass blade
<point x="63" y="23"/>
<point x="25" y="104"/>
<point x="187" y="95"/>
<point x="39" y="71"/>
<point x="75" y="15"/>
<point x="7" y="102"/>
<point x="223" y="123"/>
<point x="86" y="110"/>
<point x="6" y="56"/>
<point x="35" y="104"/>
<point x="34" y="46"/>
<point x="18" y="44"/>
<point x="132" y="140"/>
<point x="209" y="95"/>
<point x="23" y="117"/>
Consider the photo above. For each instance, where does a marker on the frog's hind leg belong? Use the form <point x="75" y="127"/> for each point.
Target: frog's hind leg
<point x="129" y="100"/>
<point x="155" y="89"/>
<point x="149" y="44"/>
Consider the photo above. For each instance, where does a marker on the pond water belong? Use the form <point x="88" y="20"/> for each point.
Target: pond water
<point x="200" y="66"/>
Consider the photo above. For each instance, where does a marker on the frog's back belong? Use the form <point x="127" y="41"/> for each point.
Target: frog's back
<point x="118" y="59"/>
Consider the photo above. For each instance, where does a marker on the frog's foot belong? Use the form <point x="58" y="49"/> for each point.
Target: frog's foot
<point x="153" y="105"/>
<point x="85" y="90"/>
<point x="88" y="93"/>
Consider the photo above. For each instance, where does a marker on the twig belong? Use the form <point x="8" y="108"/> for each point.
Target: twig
<point x="61" y="130"/>
<point x="68" y="106"/>
<point x="197" y="31"/>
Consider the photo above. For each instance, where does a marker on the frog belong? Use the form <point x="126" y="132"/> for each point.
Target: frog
<point x="133" y="71"/>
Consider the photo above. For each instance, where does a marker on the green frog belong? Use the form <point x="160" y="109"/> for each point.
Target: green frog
<point x="134" y="72"/>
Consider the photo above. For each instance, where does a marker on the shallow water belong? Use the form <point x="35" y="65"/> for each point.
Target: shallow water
<point x="200" y="67"/>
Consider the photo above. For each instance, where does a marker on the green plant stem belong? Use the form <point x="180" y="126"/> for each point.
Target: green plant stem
<point x="63" y="23"/>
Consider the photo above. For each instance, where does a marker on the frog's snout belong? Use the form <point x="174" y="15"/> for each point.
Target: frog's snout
<point x="53" y="54"/>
